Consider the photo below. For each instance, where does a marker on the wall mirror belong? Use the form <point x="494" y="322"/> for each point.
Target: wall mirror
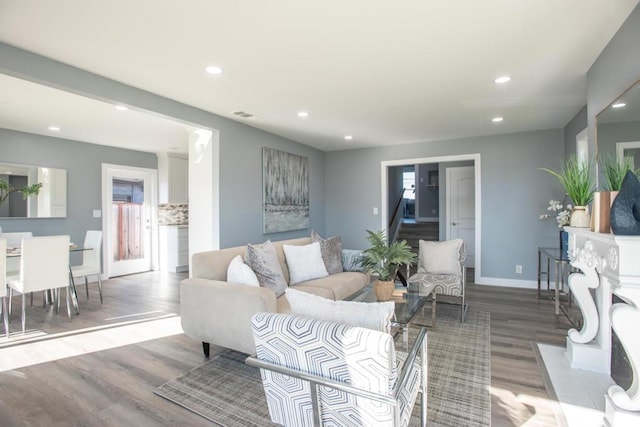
<point x="51" y="202"/>
<point x="618" y="128"/>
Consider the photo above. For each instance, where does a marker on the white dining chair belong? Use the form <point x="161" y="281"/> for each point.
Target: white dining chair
<point x="14" y="240"/>
<point x="44" y="265"/>
<point x="90" y="260"/>
<point x="3" y="285"/>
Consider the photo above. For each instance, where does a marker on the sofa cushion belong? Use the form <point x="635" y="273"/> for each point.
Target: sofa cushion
<point x="331" y="249"/>
<point x="263" y="260"/>
<point x="241" y="273"/>
<point x="374" y="315"/>
<point x="304" y="262"/>
<point x="341" y="285"/>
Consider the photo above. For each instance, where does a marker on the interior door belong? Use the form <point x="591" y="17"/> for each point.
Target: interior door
<point x="461" y="209"/>
<point x="128" y="220"/>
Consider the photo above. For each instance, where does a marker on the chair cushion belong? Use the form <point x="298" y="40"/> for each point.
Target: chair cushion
<point x="304" y="262"/>
<point x="441" y="257"/>
<point x="444" y="284"/>
<point x="409" y="394"/>
<point x="263" y="260"/>
<point x="371" y="315"/>
<point x="361" y="357"/>
<point x="331" y="252"/>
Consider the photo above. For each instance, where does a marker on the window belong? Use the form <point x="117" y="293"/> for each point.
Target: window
<point x="409" y="183"/>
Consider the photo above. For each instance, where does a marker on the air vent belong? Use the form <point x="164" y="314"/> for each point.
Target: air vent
<point x="243" y="114"/>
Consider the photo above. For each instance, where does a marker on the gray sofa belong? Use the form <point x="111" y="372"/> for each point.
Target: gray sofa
<point x="216" y="312"/>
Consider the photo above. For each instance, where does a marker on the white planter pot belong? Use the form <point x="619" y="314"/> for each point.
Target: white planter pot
<point x="580" y="217"/>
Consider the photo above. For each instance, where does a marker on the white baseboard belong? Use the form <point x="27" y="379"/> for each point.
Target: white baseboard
<point x="507" y="283"/>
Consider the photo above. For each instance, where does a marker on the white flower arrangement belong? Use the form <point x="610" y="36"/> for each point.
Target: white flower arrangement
<point x="562" y="214"/>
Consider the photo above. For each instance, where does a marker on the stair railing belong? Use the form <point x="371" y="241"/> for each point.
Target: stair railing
<point x="394" y="223"/>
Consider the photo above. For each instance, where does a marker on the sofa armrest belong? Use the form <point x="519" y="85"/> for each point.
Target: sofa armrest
<point x="219" y="313"/>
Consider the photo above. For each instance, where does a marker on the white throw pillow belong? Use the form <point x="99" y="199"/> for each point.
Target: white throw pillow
<point x="305" y="262"/>
<point x="239" y="272"/>
<point x="370" y="315"/>
<point x="440" y="257"/>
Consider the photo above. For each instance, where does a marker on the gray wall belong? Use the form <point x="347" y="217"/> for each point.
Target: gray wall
<point x="572" y="129"/>
<point x="83" y="163"/>
<point x="616" y="69"/>
<point x="514" y="193"/>
<point x="428" y="196"/>
<point x="240" y="145"/>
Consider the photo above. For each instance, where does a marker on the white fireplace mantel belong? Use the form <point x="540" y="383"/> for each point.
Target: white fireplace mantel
<point x="608" y="265"/>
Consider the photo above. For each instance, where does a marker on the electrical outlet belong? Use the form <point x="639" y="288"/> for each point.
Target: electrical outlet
<point x="518" y="269"/>
<point x="375" y="211"/>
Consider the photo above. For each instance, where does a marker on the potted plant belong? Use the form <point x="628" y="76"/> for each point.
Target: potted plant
<point x="383" y="261"/>
<point x="577" y="180"/>
<point x="7" y="189"/>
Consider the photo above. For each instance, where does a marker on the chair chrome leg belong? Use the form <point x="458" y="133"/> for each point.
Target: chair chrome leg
<point x="86" y="285"/>
<point x="5" y="316"/>
<point x="100" y="287"/>
<point x="24" y="313"/>
<point x="10" y="304"/>
<point x="68" y="303"/>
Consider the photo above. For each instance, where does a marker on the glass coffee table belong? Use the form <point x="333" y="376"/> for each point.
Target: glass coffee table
<point x="408" y="301"/>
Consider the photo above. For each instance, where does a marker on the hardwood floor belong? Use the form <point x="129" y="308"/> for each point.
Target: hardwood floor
<point x="126" y="350"/>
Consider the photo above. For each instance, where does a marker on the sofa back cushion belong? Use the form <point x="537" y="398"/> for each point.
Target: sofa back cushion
<point x="213" y="265"/>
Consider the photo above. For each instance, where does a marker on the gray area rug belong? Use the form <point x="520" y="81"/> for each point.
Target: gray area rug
<point x="229" y="392"/>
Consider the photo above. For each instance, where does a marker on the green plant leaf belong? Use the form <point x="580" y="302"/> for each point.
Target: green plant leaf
<point x="577" y="179"/>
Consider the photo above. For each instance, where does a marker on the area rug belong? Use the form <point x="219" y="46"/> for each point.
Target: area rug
<point x="228" y="392"/>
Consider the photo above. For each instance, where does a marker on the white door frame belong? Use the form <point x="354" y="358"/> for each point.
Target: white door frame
<point x="108" y="169"/>
<point x="386" y="164"/>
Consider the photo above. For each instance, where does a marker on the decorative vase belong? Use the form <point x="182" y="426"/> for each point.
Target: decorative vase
<point x="384" y="289"/>
<point x="580" y="217"/>
<point x="625" y="210"/>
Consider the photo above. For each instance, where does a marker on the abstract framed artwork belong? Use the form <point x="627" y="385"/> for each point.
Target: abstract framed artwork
<point x="285" y="196"/>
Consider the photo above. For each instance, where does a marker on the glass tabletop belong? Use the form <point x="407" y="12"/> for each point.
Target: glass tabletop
<point x="555" y="253"/>
<point x="407" y="301"/>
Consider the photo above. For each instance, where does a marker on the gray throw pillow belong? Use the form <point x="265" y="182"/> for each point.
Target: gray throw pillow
<point x="263" y="260"/>
<point x="331" y="250"/>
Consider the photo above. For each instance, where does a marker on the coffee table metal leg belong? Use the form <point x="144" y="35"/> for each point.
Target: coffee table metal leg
<point x="433" y="310"/>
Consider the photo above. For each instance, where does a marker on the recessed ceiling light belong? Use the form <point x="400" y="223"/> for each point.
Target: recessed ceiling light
<point x="303" y="114"/>
<point x="619" y="104"/>
<point x="502" y="79"/>
<point x="497" y="119"/>
<point x="214" y="69"/>
<point x="121" y="108"/>
<point x="348" y="137"/>
<point x="54" y="128"/>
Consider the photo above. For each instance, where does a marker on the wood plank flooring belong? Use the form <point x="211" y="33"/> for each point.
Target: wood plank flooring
<point x="113" y="387"/>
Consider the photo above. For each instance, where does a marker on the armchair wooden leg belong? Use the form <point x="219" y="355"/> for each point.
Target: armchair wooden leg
<point x="205" y="348"/>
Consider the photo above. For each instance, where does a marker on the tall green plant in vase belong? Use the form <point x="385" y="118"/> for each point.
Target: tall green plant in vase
<point x="577" y="180"/>
<point x="384" y="260"/>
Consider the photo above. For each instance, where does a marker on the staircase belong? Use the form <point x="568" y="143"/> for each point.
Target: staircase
<point x="413" y="232"/>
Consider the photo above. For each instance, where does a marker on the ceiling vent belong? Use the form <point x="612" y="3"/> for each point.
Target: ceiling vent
<point x="243" y="114"/>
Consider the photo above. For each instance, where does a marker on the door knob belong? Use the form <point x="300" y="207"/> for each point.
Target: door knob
<point x="454" y="223"/>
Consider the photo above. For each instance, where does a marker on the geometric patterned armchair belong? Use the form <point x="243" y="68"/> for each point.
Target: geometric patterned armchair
<point x="317" y="372"/>
<point x="442" y="264"/>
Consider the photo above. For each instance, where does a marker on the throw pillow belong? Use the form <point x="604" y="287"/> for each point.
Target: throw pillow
<point x="331" y="249"/>
<point x="371" y="315"/>
<point x="241" y="273"/>
<point x="440" y="257"/>
<point x="351" y="260"/>
<point x="263" y="260"/>
<point x="305" y="262"/>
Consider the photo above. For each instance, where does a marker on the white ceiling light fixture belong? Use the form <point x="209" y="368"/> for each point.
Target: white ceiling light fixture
<point x="214" y="70"/>
<point x="348" y="137"/>
<point x="497" y="119"/>
<point x="303" y="114"/>
<point x="53" y="128"/>
<point x="619" y="104"/>
<point x="121" y="108"/>
<point x="502" y="79"/>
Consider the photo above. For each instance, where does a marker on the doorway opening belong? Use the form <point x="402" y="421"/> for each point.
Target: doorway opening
<point x="446" y="202"/>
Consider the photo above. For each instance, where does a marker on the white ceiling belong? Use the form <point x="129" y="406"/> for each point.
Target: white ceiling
<point x="385" y="72"/>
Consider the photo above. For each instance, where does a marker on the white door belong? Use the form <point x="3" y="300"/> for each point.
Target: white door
<point x="128" y="200"/>
<point x="461" y="208"/>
